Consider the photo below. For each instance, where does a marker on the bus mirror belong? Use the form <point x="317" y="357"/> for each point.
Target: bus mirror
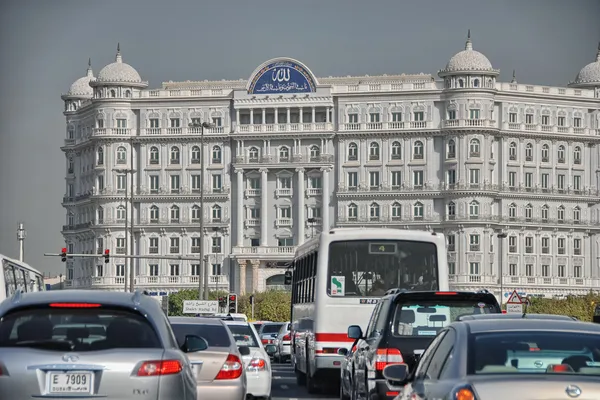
<point x="355" y="332"/>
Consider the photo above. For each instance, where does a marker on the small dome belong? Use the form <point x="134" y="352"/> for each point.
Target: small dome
<point x="468" y="60"/>
<point x="119" y="72"/>
<point x="590" y="74"/>
<point x="81" y="87"/>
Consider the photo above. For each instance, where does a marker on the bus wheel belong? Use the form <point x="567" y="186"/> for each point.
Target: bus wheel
<point x="300" y="377"/>
<point x="311" y="382"/>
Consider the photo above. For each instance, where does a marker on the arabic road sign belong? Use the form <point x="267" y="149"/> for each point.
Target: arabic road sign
<point x="200" y="306"/>
<point x="512" y="308"/>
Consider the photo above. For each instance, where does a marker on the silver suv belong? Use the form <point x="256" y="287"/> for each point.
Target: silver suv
<point x="86" y="343"/>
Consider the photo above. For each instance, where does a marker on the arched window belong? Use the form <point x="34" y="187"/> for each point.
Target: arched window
<point x="216" y="155"/>
<point x="451" y="151"/>
<point x="127" y="93"/>
<point x="451" y="212"/>
<point x="396" y="151"/>
<point x="121" y="214"/>
<point x="154" y="155"/>
<point x="577" y="155"/>
<point x="529" y="152"/>
<point x="175" y="155"/>
<point x="315" y="152"/>
<point x="374" y="151"/>
<point x="474" y="148"/>
<point x="396" y="211"/>
<point x="154" y="214"/>
<point x="216" y="213"/>
<point x="100" y="156"/>
<point x="374" y="212"/>
<point x="474" y="210"/>
<point x="284" y="154"/>
<point x="561" y="154"/>
<point x="545" y="153"/>
<point x="576" y="215"/>
<point x="512" y="151"/>
<point x="512" y="211"/>
<point x="475" y="82"/>
<point x="418" y="150"/>
<point x="113" y="93"/>
<point x="352" y="152"/>
<point x="121" y="155"/>
<point x="545" y="212"/>
<point x="528" y="212"/>
<point x="352" y="211"/>
<point x="560" y="214"/>
<point x="100" y="215"/>
<point x="461" y="83"/>
<point x="253" y="154"/>
<point x="195" y="155"/>
<point x="418" y="210"/>
<point x="174" y="214"/>
<point x="196" y="214"/>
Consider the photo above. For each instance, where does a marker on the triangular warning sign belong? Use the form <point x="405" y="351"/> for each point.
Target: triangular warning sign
<point x="514" y="298"/>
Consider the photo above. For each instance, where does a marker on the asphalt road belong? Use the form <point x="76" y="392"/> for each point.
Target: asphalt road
<point x="284" y="385"/>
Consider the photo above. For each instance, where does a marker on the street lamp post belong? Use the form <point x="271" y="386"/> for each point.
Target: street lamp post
<point x="128" y="273"/>
<point x="203" y="276"/>
<point x="501" y="236"/>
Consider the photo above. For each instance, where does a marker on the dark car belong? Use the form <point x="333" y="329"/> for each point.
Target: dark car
<point x="401" y="327"/>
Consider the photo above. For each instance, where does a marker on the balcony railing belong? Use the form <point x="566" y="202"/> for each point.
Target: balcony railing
<point x="295" y="158"/>
<point x="222" y="281"/>
<point x="383" y="126"/>
<point x="264" y="250"/>
<point x="469" y="123"/>
<point x="284" y="127"/>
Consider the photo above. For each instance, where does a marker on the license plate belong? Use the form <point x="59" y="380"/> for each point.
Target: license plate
<point x="70" y="382"/>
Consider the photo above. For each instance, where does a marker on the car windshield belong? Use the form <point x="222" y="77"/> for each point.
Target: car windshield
<point x="534" y="352"/>
<point x="271" y="328"/>
<point x="77" y="329"/>
<point x="257" y="327"/>
<point x="370" y="268"/>
<point x="243" y="335"/>
<point x="427" y="318"/>
<point x="215" y="335"/>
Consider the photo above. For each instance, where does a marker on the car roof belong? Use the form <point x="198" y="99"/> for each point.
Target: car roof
<point x="399" y="295"/>
<point x="516" y="316"/>
<point x="482" y="325"/>
<point x="235" y="322"/>
<point x="136" y="300"/>
<point x="195" y="321"/>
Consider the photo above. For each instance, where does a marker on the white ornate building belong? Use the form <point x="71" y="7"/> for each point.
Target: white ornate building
<point x="465" y="155"/>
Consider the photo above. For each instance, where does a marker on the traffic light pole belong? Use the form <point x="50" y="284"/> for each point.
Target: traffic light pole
<point x="156" y="257"/>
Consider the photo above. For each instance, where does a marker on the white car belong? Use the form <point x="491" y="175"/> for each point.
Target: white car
<point x="257" y="363"/>
<point x="283" y="343"/>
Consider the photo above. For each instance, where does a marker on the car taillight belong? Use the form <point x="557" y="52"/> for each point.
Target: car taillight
<point x="463" y="393"/>
<point x="164" y="367"/>
<point x="386" y="357"/>
<point x="74" y="305"/>
<point x="287" y="337"/>
<point x="446" y="293"/>
<point x="257" y="364"/>
<point x="231" y="369"/>
<point x="265" y="341"/>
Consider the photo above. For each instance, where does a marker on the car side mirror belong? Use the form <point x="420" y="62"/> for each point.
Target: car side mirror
<point x="396" y="374"/>
<point x="244" y="350"/>
<point x="342" y="351"/>
<point x="194" y="343"/>
<point x="355" y="332"/>
<point x="271" y="349"/>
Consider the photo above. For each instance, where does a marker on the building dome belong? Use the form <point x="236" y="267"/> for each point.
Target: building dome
<point x="119" y="72"/>
<point x="468" y="60"/>
<point x="81" y="87"/>
<point x="590" y="74"/>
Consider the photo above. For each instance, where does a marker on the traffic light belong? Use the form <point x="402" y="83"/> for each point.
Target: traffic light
<point x="287" y="280"/>
<point x="63" y="254"/>
<point x="106" y="256"/>
<point x="232" y="303"/>
<point x="252" y="300"/>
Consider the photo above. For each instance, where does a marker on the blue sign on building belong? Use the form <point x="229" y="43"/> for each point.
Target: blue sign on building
<point x="281" y="77"/>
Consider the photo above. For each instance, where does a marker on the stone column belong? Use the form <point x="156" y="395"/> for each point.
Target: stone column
<point x="240" y="207"/>
<point x="242" y="264"/>
<point x="237" y="120"/>
<point x="255" y="265"/>
<point x="276" y="117"/>
<point x="264" y="212"/>
<point x="301" y="217"/>
<point x="325" y="199"/>
<point x="313" y="115"/>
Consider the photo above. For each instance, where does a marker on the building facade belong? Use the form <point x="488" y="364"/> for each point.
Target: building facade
<point x="290" y="154"/>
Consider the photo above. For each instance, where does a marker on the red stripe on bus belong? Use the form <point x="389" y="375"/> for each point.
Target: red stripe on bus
<point x="332" y="337"/>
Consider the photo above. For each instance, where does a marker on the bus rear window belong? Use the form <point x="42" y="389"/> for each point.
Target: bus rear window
<point x="371" y="267"/>
<point x="77" y="329"/>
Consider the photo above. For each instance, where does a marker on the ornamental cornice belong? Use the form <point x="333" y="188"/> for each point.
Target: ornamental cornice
<point x="195" y="85"/>
<point x="548" y="136"/>
<point x="167" y="198"/>
<point x="547" y="98"/>
<point x="264" y="101"/>
<point x="171" y="139"/>
<point x="377" y="79"/>
<point x="282" y="135"/>
<point x="380" y="134"/>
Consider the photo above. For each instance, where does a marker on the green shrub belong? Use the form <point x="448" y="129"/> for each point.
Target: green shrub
<point x="581" y="307"/>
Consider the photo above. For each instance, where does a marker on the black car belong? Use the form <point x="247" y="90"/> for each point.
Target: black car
<point x="401" y="327"/>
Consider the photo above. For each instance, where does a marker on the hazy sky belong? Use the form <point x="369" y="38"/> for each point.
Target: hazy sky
<point x="45" y="46"/>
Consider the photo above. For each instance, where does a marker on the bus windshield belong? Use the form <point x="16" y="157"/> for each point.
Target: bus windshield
<point x="371" y="267"/>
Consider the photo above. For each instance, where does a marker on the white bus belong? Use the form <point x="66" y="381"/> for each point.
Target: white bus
<point x="339" y="276"/>
<point x="16" y="275"/>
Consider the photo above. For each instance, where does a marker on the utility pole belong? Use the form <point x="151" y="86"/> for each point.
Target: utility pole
<point x="203" y="273"/>
<point x="501" y="237"/>
<point x="132" y="238"/>
<point x="126" y="272"/>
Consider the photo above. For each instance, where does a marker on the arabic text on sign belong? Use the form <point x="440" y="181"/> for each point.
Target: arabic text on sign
<point x="280" y="75"/>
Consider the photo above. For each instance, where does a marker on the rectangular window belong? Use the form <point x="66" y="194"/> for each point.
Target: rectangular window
<point x="121" y="123"/>
<point x="512" y="118"/>
<point x="154" y="123"/>
<point x="545" y="120"/>
<point x="374" y="179"/>
<point x="545" y="180"/>
<point x="474" y="176"/>
<point x="217" y="121"/>
<point x="419" y="116"/>
<point x="396" y="179"/>
<point x="121" y="182"/>
<point x="216" y="245"/>
<point x="396" y="117"/>
<point x="512" y="179"/>
<point x="417" y="178"/>
<point x="175" y="122"/>
<point x="352" y="180"/>
<point x="217" y="183"/>
<point x="353" y="118"/>
<point x="175" y="183"/>
<point x="474" y="114"/>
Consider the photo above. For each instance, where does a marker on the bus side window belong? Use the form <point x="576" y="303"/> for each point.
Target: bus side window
<point x="9" y="280"/>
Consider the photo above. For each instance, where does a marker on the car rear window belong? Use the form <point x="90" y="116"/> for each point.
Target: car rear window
<point x="215" y="335"/>
<point x="243" y="335"/>
<point x="428" y="317"/>
<point x="534" y="352"/>
<point x="271" y="328"/>
<point x="77" y="329"/>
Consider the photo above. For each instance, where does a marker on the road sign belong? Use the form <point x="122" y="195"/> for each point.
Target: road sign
<point x="512" y="308"/>
<point x="200" y="306"/>
<point x="514" y="298"/>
